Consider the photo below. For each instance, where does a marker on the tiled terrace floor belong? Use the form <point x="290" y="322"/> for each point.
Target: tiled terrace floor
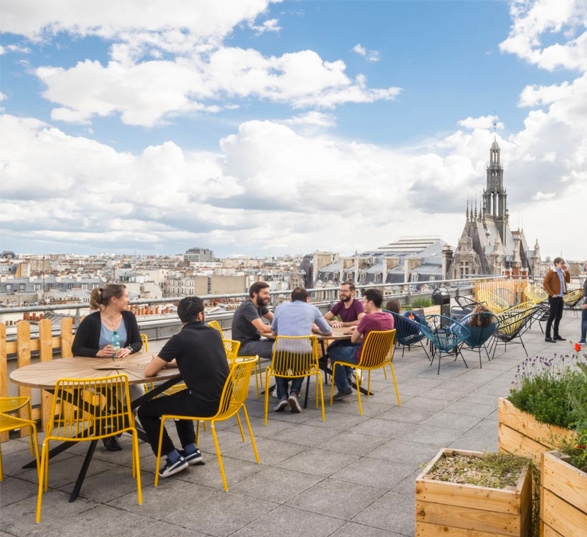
<point x="352" y="475"/>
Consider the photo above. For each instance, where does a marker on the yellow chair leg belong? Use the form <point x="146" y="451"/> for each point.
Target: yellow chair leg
<point x="159" y="446"/>
<point x="399" y="403"/>
<point x="358" y="392"/>
<point x="219" y="455"/>
<point x="240" y="426"/>
<point x="253" y="443"/>
<point x="267" y="375"/>
<point x="137" y="465"/>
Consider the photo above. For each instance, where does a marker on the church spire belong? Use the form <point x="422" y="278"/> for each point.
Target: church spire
<point x="494" y="195"/>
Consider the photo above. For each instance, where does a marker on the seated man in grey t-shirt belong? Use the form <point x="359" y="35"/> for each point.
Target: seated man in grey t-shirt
<point x="248" y="325"/>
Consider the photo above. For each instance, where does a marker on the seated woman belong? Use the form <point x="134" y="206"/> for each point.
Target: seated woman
<point x="395" y="306"/>
<point x="481" y="324"/>
<point x="93" y="337"/>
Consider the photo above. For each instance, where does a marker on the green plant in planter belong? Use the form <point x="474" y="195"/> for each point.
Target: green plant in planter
<point x="421" y="302"/>
<point x="553" y="390"/>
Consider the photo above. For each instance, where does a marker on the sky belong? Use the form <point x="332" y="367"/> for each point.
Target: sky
<point x="267" y="127"/>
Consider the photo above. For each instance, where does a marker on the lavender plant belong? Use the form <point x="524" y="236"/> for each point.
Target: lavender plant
<point x="553" y="390"/>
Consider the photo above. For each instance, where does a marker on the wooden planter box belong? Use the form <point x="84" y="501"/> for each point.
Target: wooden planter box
<point x="563" y="498"/>
<point x="520" y="434"/>
<point x="471" y="511"/>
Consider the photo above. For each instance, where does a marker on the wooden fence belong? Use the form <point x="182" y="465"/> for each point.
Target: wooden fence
<point x="516" y="287"/>
<point x="24" y="347"/>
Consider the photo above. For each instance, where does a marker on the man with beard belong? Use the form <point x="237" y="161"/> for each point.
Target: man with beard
<point x="349" y="309"/>
<point x="248" y="325"/>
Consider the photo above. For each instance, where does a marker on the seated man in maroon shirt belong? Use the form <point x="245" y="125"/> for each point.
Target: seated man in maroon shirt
<point x="349" y="309"/>
<point x="374" y="319"/>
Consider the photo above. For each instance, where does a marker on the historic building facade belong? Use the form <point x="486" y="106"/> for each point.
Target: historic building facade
<point x="487" y="245"/>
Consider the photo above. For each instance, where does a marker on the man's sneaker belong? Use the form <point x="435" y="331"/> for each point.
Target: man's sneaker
<point x="294" y="403"/>
<point x="192" y="458"/>
<point x="172" y="468"/>
<point x="338" y="396"/>
<point x="281" y="405"/>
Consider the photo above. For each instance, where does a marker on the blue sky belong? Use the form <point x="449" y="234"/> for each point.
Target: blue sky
<point x="258" y="127"/>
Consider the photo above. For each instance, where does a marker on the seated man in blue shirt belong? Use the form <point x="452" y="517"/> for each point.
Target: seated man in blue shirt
<point x="296" y="318"/>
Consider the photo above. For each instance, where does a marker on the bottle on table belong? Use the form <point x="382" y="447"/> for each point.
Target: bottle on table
<point x="115" y="343"/>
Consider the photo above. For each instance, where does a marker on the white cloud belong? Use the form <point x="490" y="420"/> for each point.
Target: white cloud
<point x="563" y="20"/>
<point x="370" y="55"/>
<point x="482" y="122"/>
<point x="145" y="93"/>
<point x="270" y="25"/>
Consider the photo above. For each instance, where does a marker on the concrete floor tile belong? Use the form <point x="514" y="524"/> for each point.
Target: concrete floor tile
<point x="392" y="512"/>
<point x="374" y="473"/>
<point x="288" y="520"/>
<point x="336" y="498"/>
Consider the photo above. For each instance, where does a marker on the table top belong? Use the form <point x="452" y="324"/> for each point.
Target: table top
<point x="337" y="333"/>
<point x="45" y="374"/>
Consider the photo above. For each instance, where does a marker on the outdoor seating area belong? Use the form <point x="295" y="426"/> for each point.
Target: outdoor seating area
<point x="349" y="475"/>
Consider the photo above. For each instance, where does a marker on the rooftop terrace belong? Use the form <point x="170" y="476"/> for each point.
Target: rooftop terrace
<point x="350" y="476"/>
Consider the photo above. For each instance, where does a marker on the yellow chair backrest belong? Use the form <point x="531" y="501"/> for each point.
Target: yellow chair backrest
<point x="294" y="356"/>
<point x="231" y="347"/>
<point x="93" y="423"/>
<point x="535" y="293"/>
<point x="572" y="297"/>
<point x="236" y="388"/>
<point x="494" y="302"/>
<point x="216" y="326"/>
<point x="377" y="349"/>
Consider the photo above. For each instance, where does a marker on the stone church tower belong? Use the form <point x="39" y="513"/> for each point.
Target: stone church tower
<point x="487" y="245"/>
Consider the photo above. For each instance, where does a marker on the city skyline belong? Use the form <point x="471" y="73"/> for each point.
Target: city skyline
<point x="268" y="128"/>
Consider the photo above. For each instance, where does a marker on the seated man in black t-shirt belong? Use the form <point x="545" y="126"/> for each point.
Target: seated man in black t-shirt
<point x="248" y="325"/>
<point x="197" y="350"/>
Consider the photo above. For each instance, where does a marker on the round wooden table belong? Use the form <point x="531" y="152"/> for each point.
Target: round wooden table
<point x="44" y="375"/>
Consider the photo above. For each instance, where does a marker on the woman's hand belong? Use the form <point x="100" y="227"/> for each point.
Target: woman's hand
<point x="106" y="352"/>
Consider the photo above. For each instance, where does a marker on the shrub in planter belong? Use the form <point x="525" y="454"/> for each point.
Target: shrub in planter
<point x="549" y="395"/>
<point x="474" y="493"/>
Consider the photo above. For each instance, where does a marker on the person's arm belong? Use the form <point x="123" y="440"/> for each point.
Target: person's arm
<point x="269" y="316"/>
<point x="155" y="365"/>
<point x="355" y="334"/>
<point x="322" y="324"/>
<point x="85" y="339"/>
<point x="261" y="327"/>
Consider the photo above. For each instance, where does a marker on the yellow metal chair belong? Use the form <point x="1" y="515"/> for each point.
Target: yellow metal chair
<point x="234" y="395"/>
<point x="376" y="353"/>
<point x="110" y="417"/>
<point x="295" y="357"/>
<point x="258" y="371"/>
<point x="494" y="302"/>
<point x="145" y="341"/>
<point x="535" y="293"/>
<point x="8" y="405"/>
<point x="216" y="326"/>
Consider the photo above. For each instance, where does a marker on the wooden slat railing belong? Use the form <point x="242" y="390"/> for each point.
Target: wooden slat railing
<point x="24" y="347"/>
<point x="516" y="286"/>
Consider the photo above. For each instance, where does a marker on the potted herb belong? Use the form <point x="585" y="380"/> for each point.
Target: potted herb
<point x="465" y="492"/>
<point x="544" y="404"/>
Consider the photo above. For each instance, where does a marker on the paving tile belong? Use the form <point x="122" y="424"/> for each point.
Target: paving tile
<point x="449" y="420"/>
<point x="276" y="484"/>
<point x="13" y="490"/>
<point x="351" y="529"/>
<point x="218" y="514"/>
<point x="375" y="473"/>
<point x="352" y="443"/>
<point x="392" y="512"/>
<point x="402" y="452"/>
<point x="336" y="498"/>
<point x="318" y="461"/>
<point x="287" y="520"/>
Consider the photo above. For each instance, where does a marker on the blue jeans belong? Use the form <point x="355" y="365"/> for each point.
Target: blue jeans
<point x="282" y="386"/>
<point x="343" y="354"/>
<point x="583" y="324"/>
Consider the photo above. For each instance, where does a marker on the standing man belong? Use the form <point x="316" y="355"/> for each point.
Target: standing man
<point x="248" y="325"/>
<point x="555" y="284"/>
<point x="348" y="308"/>
<point x="296" y="318"/>
<point x="199" y="354"/>
<point x="374" y="319"/>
